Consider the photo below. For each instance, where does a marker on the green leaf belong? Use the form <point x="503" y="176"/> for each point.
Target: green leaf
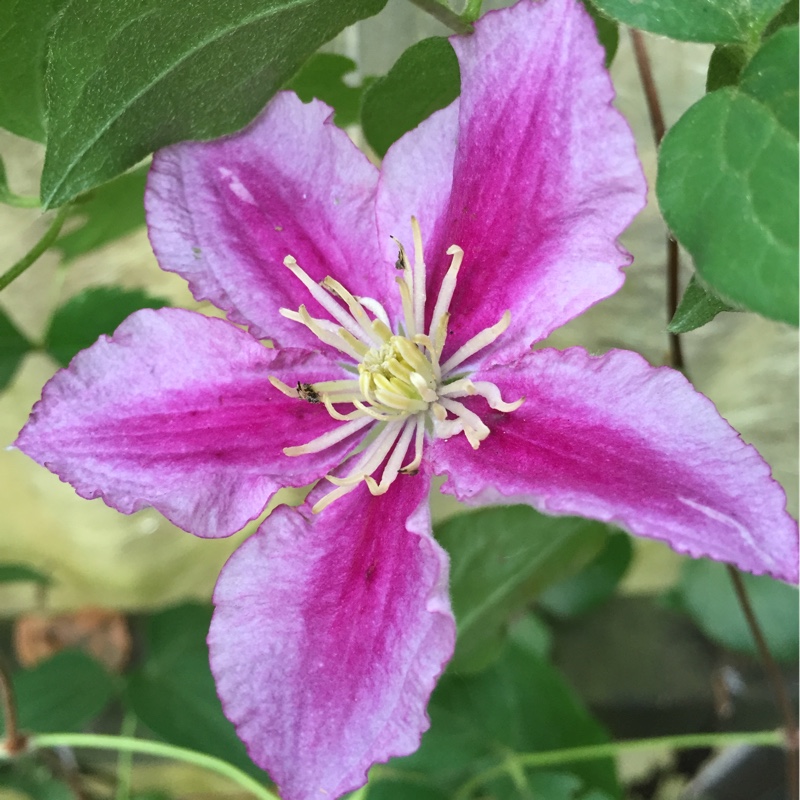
<point x="788" y="15"/>
<point x="424" y="79"/>
<point x="24" y="26"/>
<point x="22" y="573"/>
<point x="173" y="693"/>
<point x="110" y="212"/>
<point x="607" y="30"/>
<point x="594" y="584"/>
<point x="501" y="558"/>
<point x="716" y="21"/>
<point x="322" y="76"/>
<point x="144" y="75"/>
<point x="705" y="591"/>
<point x="698" y="307"/>
<point x="726" y="64"/>
<point x="62" y="694"/>
<point x="81" y="320"/>
<point x="13" y="347"/>
<point x="34" y="780"/>
<point x="727" y="185"/>
<point x="519" y="705"/>
<point x="771" y="77"/>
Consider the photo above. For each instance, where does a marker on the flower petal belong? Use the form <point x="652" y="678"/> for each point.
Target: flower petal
<point x="176" y="411"/>
<point x="224" y="214"/>
<point x="615" y="439"/>
<point x="329" y="634"/>
<point x="545" y="176"/>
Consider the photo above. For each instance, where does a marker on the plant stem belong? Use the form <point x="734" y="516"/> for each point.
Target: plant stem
<point x="125" y="759"/>
<point x="96" y="741"/>
<point x="14" y="740"/>
<point x="591" y="752"/>
<point x="776" y="679"/>
<point x="40" y="247"/>
<point x="444" y="14"/>
<point x="472" y="10"/>
<point x="659" y="128"/>
<point x="18" y="200"/>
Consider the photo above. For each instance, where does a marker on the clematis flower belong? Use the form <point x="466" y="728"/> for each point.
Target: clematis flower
<point x="402" y="305"/>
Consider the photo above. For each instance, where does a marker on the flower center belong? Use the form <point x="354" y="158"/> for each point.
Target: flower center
<point x="401" y="386"/>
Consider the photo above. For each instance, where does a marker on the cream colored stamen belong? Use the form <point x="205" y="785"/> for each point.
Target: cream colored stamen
<point x="401" y="383"/>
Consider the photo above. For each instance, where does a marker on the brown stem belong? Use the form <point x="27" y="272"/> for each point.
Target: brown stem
<point x="774" y="675"/>
<point x="659" y="128"/>
<point x="14" y="741"/>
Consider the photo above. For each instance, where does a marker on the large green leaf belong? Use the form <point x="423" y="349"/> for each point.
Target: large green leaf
<point x="501" y="558"/>
<point x="13" y="347"/>
<point x="80" y="321"/>
<point x="136" y="76"/>
<point x="24" y="26"/>
<point x="519" y="705"/>
<point x="110" y="212"/>
<point x="727" y="183"/>
<point x="62" y="693"/>
<point x="173" y="693"/>
<point x="698" y="307"/>
<point x="424" y="79"/>
<point x="705" y="591"/>
<point x="594" y="584"/>
<point x="323" y="77"/>
<point x="718" y="21"/>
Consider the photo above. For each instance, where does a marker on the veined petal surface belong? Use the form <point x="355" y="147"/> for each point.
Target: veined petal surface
<point x="544" y="170"/>
<point x="615" y="439"/>
<point x="329" y="634"/>
<point x="176" y="411"/>
<point x="224" y="214"/>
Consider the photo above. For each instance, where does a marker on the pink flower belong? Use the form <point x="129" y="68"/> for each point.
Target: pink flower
<point x="332" y="622"/>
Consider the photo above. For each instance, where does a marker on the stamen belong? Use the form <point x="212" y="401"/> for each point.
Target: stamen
<point x="356" y="310"/>
<point x="408" y="305"/>
<point x="492" y="395"/>
<point x="413" y="467"/>
<point x="282" y="387"/>
<point x="474" y="428"/>
<point x="371" y="304"/>
<point x="446" y="291"/>
<point x="323" y="298"/>
<point x="459" y="388"/>
<point x="477" y="343"/>
<point x="419" y="277"/>
<point x="392" y="468"/>
<point x="319" y="327"/>
<point x="328" y="439"/>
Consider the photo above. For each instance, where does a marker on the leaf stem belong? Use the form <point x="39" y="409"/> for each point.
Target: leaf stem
<point x="659" y="128"/>
<point x="444" y="14"/>
<point x="38" y="249"/>
<point x="591" y="752"/>
<point x="776" y="679"/>
<point x="19" y="200"/>
<point x="96" y="741"/>
<point x="472" y="10"/>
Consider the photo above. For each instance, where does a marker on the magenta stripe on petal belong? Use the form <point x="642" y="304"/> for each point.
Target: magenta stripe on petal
<point x="224" y="214"/>
<point x="535" y="179"/>
<point x="615" y="439"/>
<point x="176" y="411"/>
<point x="329" y="634"/>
